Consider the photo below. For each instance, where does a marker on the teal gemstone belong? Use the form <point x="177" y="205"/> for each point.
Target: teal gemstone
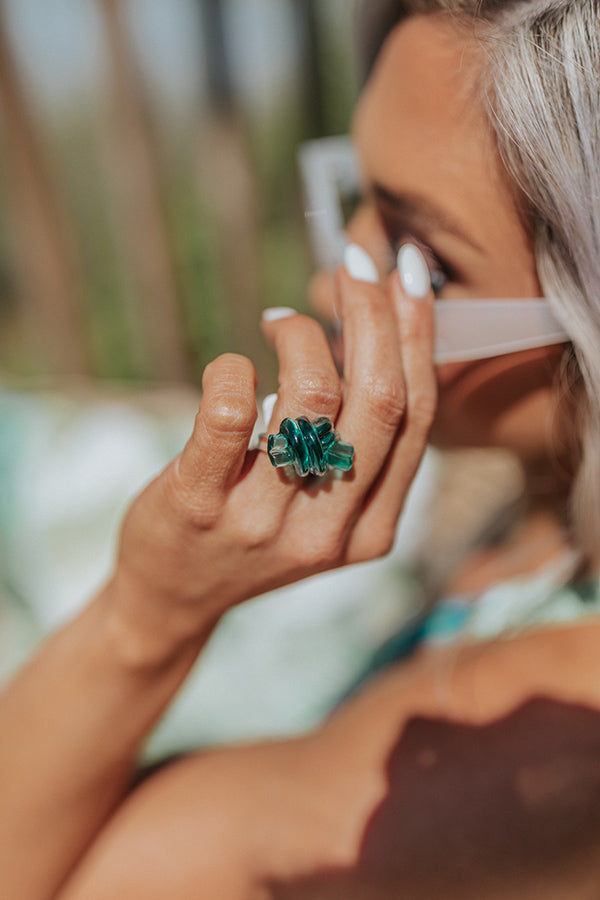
<point x="301" y="453"/>
<point x="323" y="427"/>
<point x="279" y="450"/>
<point x="341" y="456"/>
<point x="318" y="456"/>
<point x="310" y="447"/>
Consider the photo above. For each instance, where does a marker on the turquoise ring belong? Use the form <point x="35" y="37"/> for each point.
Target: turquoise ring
<point x="312" y="448"/>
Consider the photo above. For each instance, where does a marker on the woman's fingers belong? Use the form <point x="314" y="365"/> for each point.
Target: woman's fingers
<point x="374" y="389"/>
<point x="213" y="457"/>
<point x="371" y="415"/>
<point x="376" y="528"/>
<point x="309" y="384"/>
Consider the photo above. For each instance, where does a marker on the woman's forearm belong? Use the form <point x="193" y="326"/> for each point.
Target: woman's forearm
<point x="71" y="725"/>
<point x="216" y="527"/>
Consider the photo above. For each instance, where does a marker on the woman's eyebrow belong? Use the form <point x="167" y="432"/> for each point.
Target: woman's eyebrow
<point x="423" y="211"/>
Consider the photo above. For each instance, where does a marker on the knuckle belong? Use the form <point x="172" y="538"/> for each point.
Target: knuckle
<point x="205" y="516"/>
<point x="254" y="532"/>
<point x="321" y="551"/>
<point x="227" y="413"/>
<point x="317" y="390"/>
<point x="229" y="402"/>
<point x="387" y="399"/>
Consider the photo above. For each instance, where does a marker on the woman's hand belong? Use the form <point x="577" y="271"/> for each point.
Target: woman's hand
<point x="220" y="525"/>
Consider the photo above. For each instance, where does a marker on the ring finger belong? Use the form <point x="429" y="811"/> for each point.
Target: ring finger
<point x="309" y="385"/>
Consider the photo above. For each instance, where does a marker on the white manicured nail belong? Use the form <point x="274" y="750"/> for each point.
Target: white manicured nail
<point x="414" y="272"/>
<point x="277" y="312"/>
<point x="359" y="264"/>
<point x="268" y="405"/>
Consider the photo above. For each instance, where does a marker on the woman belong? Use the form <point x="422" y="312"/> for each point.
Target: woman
<point x="468" y="770"/>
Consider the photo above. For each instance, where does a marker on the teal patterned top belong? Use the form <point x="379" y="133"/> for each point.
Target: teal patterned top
<point x="503" y="610"/>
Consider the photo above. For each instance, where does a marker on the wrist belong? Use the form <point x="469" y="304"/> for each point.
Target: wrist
<point x="146" y="636"/>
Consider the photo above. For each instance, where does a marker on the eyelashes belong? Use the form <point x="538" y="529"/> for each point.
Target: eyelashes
<point x="439" y="272"/>
<point x="439" y="279"/>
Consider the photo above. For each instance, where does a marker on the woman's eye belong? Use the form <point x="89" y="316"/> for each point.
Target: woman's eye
<point x="439" y="279"/>
<point x="438" y="271"/>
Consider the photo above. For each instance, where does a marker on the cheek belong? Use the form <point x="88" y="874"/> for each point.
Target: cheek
<point x="507" y="401"/>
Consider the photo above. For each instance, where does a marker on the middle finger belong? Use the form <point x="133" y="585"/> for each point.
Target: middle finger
<point x="374" y="386"/>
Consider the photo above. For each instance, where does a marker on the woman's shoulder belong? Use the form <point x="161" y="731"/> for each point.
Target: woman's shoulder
<point x="487" y="668"/>
<point x="489" y="757"/>
<point x="506" y="808"/>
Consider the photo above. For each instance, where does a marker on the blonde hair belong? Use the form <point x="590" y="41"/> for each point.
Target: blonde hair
<point x="541" y="92"/>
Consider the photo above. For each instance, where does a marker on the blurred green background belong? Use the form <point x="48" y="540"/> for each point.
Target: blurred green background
<point x="150" y="208"/>
<point x="149" y="200"/>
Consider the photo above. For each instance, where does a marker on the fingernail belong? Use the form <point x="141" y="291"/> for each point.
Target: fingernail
<point x="359" y="264"/>
<point x="277" y="312"/>
<point x="268" y="405"/>
<point x="414" y="272"/>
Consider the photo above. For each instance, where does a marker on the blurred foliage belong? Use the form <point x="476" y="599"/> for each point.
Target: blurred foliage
<point x="74" y="147"/>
